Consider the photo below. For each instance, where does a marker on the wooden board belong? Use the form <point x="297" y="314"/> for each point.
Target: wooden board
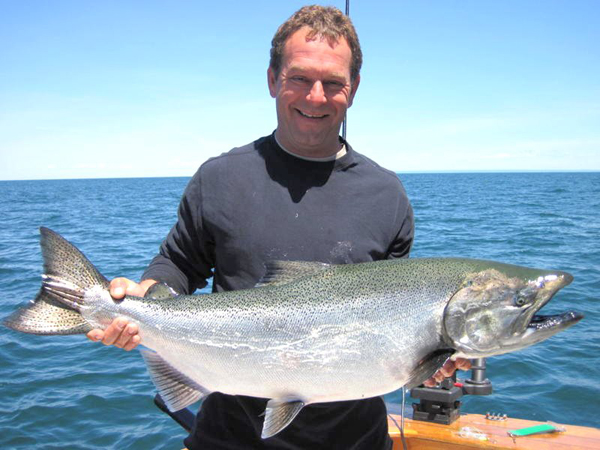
<point x="430" y="436"/>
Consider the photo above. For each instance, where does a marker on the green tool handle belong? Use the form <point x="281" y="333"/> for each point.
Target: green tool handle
<point x="537" y="429"/>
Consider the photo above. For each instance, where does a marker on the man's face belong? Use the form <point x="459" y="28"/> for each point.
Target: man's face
<point x="312" y="93"/>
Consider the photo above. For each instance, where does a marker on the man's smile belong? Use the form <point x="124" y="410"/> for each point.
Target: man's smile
<point x="312" y="116"/>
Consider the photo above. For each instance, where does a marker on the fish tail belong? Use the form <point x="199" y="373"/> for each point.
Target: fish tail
<point x="67" y="275"/>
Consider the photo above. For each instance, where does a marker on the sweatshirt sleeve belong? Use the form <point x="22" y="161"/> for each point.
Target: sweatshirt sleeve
<point x="402" y="243"/>
<point x="186" y="256"/>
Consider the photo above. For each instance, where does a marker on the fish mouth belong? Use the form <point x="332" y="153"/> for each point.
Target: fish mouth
<point x="541" y="326"/>
<point x="541" y="322"/>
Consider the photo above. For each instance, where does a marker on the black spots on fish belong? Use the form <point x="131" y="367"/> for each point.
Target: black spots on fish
<point x="489" y="282"/>
<point x="65" y="261"/>
<point x="480" y="289"/>
<point x="47" y="316"/>
<point x="273" y="323"/>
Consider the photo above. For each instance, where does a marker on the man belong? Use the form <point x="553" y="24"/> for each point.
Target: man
<point x="300" y="194"/>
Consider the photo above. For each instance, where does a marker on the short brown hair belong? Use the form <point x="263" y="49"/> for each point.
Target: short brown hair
<point x="325" y="22"/>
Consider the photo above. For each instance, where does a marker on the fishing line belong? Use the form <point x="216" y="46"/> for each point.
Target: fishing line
<point x="345" y="122"/>
<point x="401" y="426"/>
<point x="402" y="419"/>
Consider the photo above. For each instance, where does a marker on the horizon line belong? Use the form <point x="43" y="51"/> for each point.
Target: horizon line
<point x="406" y="172"/>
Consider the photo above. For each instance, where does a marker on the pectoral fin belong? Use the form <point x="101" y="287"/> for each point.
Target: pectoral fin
<point x="427" y="367"/>
<point x="176" y="389"/>
<point x="279" y="414"/>
<point x="160" y="291"/>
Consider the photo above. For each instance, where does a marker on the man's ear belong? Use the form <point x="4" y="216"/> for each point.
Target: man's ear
<point x="272" y="81"/>
<point x="353" y="90"/>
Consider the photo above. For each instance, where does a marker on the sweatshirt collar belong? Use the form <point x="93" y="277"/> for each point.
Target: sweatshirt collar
<point x="341" y="160"/>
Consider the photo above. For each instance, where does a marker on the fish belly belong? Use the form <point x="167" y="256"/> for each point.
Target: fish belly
<point x="327" y="363"/>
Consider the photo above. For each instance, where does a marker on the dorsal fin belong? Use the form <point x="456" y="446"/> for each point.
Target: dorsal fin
<point x="281" y="272"/>
<point x="160" y="291"/>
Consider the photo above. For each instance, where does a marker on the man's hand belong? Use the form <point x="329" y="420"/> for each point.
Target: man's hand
<point x="120" y="332"/>
<point x="447" y="370"/>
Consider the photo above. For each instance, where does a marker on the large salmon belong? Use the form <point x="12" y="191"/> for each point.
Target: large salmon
<point x="310" y="332"/>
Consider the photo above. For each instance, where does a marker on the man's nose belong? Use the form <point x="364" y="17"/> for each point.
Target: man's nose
<point x="317" y="93"/>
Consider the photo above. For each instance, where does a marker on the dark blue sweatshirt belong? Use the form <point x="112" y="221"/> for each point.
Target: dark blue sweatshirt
<point x="258" y="203"/>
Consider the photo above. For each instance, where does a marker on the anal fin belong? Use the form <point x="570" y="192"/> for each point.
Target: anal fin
<point x="279" y="414"/>
<point x="176" y="389"/>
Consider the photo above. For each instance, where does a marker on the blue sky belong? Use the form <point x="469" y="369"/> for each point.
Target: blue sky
<point x="151" y="88"/>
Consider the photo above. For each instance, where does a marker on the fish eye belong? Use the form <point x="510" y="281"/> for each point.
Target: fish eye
<point x="520" y="300"/>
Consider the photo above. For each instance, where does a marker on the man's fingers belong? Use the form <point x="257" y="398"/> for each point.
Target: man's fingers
<point x="462" y="363"/>
<point x="118" y="287"/>
<point x="448" y="369"/>
<point x="126" y="335"/>
<point x="439" y="376"/>
<point x="120" y="333"/>
<point x="114" y="330"/>
<point x="430" y="382"/>
<point x="133" y="343"/>
<point x="95" y="335"/>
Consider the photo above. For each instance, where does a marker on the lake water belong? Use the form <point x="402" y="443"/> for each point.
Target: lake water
<point x="65" y="392"/>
